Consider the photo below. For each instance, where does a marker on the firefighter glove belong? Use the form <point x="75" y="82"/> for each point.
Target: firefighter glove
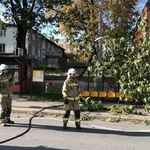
<point x="10" y="79"/>
<point x="82" y="100"/>
<point x="65" y="101"/>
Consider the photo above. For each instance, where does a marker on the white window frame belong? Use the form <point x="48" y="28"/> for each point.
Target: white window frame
<point x="33" y="50"/>
<point x="2" y="32"/>
<point x="39" y="52"/>
<point x="2" y="47"/>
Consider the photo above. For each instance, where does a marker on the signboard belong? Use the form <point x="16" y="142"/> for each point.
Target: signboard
<point x="16" y="76"/>
<point x="38" y="76"/>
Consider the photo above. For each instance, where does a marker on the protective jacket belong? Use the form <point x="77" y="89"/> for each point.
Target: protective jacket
<point x="6" y="82"/>
<point x="71" y="89"/>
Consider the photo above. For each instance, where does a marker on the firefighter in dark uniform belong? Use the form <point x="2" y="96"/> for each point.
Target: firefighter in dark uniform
<point x="71" y="94"/>
<point x="6" y="81"/>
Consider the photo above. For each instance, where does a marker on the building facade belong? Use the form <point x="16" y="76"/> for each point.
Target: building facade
<point x="39" y="49"/>
<point x="66" y="45"/>
<point x="146" y="15"/>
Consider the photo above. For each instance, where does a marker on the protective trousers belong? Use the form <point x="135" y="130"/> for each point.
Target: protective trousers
<point x="72" y="105"/>
<point x="5" y="104"/>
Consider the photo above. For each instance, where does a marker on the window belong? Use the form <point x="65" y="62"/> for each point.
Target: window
<point x="43" y="44"/>
<point x="2" y="48"/>
<point x="33" y="50"/>
<point x="2" y="33"/>
<point x="49" y="45"/>
<point x="39" y="53"/>
<point x="33" y="37"/>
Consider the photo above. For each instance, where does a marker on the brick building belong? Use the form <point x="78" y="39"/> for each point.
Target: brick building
<point x="145" y="14"/>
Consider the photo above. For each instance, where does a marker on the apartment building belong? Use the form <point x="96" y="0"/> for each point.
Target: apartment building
<point x="39" y="48"/>
<point x="66" y="45"/>
<point x="145" y="14"/>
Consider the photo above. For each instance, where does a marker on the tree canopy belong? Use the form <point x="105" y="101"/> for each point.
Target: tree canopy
<point x="79" y="24"/>
<point x="27" y="15"/>
<point x="120" y="58"/>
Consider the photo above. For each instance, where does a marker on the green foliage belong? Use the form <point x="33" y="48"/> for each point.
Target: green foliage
<point x="127" y="60"/>
<point x="147" y="107"/>
<point x="91" y="105"/>
<point x="135" y="71"/>
<point x="145" y="122"/>
<point x="45" y="97"/>
<point x="2" y="25"/>
<point x="123" y="110"/>
<point x="116" y="120"/>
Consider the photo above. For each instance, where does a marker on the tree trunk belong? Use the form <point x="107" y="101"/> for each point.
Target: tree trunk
<point x="89" y="61"/>
<point x="21" y="39"/>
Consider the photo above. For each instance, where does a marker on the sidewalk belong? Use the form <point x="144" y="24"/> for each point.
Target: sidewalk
<point x="22" y="105"/>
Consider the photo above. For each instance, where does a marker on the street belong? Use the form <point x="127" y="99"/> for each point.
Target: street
<point x="46" y="133"/>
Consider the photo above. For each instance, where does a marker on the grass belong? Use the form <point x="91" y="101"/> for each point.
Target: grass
<point x="42" y="97"/>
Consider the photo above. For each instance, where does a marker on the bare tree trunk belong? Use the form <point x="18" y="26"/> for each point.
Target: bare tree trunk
<point x="89" y="61"/>
<point x="21" y="39"/>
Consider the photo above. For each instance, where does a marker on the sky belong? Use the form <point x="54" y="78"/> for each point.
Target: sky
<point x="141" y="4"/>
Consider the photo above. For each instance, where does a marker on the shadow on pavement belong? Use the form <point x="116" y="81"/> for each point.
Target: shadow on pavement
<point x="28" y="148"/>
<point x="85" y="130"/>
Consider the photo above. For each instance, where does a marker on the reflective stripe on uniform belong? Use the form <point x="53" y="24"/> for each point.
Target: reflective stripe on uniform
<point x="64" y="95"/>
<point x="65" y="119"/>
<point x="6" y="80"/>
<point x="5" y="95"/>
<point x="73" y="98"/>
<point x="77" y="120"/>
<point x="72" y="84"/>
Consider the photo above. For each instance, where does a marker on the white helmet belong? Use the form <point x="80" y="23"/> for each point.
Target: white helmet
<point x="71" y="71"/>
<point x="3" y="67"/>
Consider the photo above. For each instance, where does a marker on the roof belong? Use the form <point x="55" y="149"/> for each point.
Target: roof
<point x="9" y="59"/>
<point x="77" y="65"/>
<point x="42" y="35"/>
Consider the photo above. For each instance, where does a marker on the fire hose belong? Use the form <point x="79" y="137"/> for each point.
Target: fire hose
<point x="30" y="123"/>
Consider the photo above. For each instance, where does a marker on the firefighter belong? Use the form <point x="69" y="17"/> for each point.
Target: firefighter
<point x="6" y="81"/>
<point x="71" y="94"/>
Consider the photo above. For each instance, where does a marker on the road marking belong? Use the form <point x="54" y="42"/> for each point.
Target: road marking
<point x="112" y="129"/>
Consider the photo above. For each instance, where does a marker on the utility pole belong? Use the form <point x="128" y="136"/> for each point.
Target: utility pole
<point x="100" y="40"/>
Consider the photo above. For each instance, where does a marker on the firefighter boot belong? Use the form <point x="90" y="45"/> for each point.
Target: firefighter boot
<point x="78" y="126"/>
<point x="9" y="121"/>
<point x="3" y="124"/>
<point x="65" y="126"/>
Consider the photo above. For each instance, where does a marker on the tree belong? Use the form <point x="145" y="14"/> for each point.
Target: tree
<point x="27" y="15"/>
<point x="79" y="24"/>
<point x="131" y="66"/>
<point x="121" y="59"/>
<point x="135" y="71"/>
<point x="2" y="26"/>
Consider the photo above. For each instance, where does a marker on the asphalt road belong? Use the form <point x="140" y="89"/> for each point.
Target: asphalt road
<point x="46" y="133"/>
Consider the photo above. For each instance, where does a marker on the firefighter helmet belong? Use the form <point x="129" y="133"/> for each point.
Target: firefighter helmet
<point x="71" y="72"/>
<point x="3" y="67"/>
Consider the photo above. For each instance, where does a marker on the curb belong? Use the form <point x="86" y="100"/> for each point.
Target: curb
<point x="84" y="115"/>
<point x="21" y="105"/>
